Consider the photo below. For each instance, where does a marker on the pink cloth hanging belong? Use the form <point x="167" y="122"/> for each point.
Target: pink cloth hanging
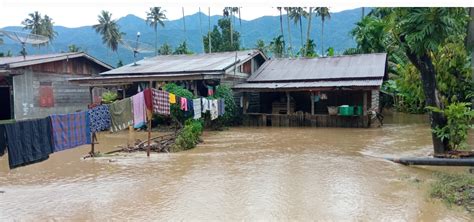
<point x="139" y="110"/>
<point x="184" y="104"/>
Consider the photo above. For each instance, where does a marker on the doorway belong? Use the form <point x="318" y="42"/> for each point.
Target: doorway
<point x="5" y="103"/>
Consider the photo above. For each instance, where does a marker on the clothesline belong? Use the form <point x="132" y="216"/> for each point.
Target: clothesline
<point x="31" y="141"/>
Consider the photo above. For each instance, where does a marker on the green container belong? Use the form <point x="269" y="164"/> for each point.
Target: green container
<point x="346" y="110"/>
<point x="358" y="110"/>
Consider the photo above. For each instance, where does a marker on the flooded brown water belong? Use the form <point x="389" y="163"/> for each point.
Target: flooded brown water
<point x="238" y="174"/>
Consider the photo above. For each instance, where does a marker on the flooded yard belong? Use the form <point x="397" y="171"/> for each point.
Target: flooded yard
<point x="237" y="174"/>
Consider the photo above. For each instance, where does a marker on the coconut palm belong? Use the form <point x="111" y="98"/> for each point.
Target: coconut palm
<point x="323" y="12"/>
<point x="288" y="11"/>
<point x="228" y="12"/>
<point x="184" y="24"/>
<point x="109" y="30"/>
<point x="154" y="17"/>
<point x="297" y="15"/>
<point x="40" y="25"/>
<point x="33" y="23"/>
<point x="47" y="28"/>
<point x="200" y="29"/>
<point x="209" y="30"/>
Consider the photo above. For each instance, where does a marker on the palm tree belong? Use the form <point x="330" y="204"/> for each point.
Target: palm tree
<point x="209" y="31"/>
<point x="74" y="48"/>
<point x="323" y="12"/>
<point x="47" y="28"/>
<point x="297" y="15"/>
<point x="240" y="25"/>
<point x="276" y="46"/>
<point x="39" y="25"/>
<point x="33" y="23"/>
<point x="154" y="17"/>
<point x="109" y="30"/>
<point x="281" y="24"/>
<point x="288" y="11"/>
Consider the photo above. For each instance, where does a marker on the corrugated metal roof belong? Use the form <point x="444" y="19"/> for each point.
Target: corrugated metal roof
<point x="196" y="63"/>
<point x="338" y="67"/>
<point x="314" y="84"/>
<point x="19" y="61"/>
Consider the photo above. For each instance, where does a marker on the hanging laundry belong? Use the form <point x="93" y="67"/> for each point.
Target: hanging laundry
<point x="161" y="102"/>
<point x="210" y="91"/>
<point x="241" y="101"/>
<point x="221" y="107"/>
<point x="205" y="105"/>
<point x="28" y="141"/>
<point x="214" y="109"/>
<point x="172" y="98"/>
<point x="3" y="140"/>
<point x="197" y="108"/>
<point x="190" y="111"/>
<point x="148" y="93"/>
<point x="70" y="130"/>
<point x="184" y="104"/>
<point x="121" y="114"/>
<point x="99" y="118"/>
<point x="139" y="110"/>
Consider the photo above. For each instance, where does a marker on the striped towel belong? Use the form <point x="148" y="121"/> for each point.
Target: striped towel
<point x="70" y="130"/>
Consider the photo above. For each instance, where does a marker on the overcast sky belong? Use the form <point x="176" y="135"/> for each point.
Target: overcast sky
<point x="72" y="13"/>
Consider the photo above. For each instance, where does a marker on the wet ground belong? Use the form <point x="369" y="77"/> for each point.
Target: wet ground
<point x="238" y="174"/>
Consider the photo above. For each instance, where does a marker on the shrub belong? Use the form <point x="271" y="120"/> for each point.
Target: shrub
<point x="109" y="97"/>
<point x="459" y="116"/>
<point x="176" y="112"/>
<point x="231" y="115"/>
<point x="189" y="136"/>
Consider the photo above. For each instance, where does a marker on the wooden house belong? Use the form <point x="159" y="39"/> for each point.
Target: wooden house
<point x="37" y="85"/>
<point x="196" y="72"/>
<point x="311" y="91"/>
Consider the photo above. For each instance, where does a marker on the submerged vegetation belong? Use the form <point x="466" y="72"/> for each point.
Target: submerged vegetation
<point x="189" y="136"/>
<point x="454" y="189"/>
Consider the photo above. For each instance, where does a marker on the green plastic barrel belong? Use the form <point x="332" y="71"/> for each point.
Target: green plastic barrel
<point x="346" y="110"/>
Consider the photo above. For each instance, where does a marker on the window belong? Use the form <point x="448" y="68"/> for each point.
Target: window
<point x="46" y="96"/>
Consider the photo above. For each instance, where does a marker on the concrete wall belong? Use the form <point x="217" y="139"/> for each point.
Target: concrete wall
<point x="67" y="97"/>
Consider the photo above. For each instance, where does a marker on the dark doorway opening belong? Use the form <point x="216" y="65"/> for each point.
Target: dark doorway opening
<point x="5" y="103"/>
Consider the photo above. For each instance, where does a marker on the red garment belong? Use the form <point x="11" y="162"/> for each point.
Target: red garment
<point x="148" y="99"/>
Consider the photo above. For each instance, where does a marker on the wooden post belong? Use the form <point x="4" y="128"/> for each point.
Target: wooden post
<point x="123" y="92"/>
<point x="149" y="130"/>
<point x="195" y="87"/>
<point x="93" y="142"/>
<point x="312" y="103"/>
<point x="287" y="103"/>
<point x="364" y="106"/>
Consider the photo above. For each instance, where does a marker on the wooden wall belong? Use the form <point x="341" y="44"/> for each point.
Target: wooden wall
<point x="304" y="120"/>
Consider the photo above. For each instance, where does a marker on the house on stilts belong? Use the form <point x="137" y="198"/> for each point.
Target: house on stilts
<point x="339" y="91"/>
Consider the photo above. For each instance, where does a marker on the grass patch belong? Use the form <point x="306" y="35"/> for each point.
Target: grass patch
<point x="454" y="189"/>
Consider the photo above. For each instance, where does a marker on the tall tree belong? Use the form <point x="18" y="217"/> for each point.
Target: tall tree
<point x="39" y="25"/>
<point x="165" y="49"/>
<point x="109" y="30"/>
<point x="200" y="29"/>
<point x="220" y="37"/>
<point x="209" y="31"/>
<point x="228" y="13"/>
<point x="276" y="46"/>
<point x="421" y="32"/>
<point x="288" y="12"/>
<point x="155" y="17"/>
<point x="297" y="15"/>
<point x="323" y="12"/>
<point x="74" y="48"/>
<point x="470" y="43"/>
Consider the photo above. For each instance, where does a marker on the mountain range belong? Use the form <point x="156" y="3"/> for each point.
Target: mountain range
<point x="336" y="34"/>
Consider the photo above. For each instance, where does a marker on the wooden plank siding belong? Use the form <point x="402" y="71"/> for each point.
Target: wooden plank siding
<point x="304" y="120"/>
<point x="76" y="66"/>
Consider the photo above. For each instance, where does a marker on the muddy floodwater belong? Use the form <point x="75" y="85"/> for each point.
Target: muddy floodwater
<point x="238" y="174"/>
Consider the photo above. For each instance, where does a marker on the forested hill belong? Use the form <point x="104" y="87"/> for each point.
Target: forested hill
<point x="336" y="34"/>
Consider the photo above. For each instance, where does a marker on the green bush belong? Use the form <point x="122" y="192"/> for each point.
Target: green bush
<point x="231" y="115"/>
<point x="109" y="97"/>
<point x="189" y="136"/>
<point x="459" y="116"/>
<point x="176" y="112"/>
